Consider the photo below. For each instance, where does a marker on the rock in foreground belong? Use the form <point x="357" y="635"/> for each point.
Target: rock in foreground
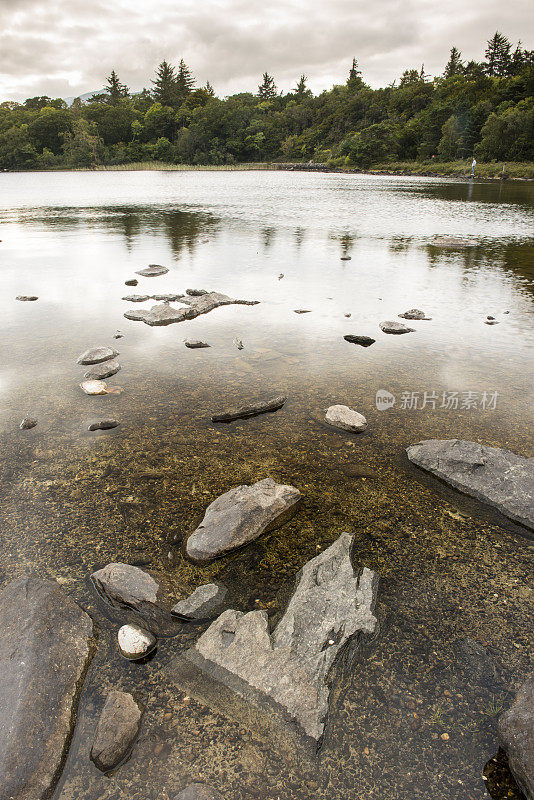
<point x="135" y="642"/>
<point x="195" y="344"/>
<point x="165" y="314"/>
<point x="252" y="410"/>
<point x="94" y="387"/>
<point x="103" y="425"/>
<point x="202" y="604"/>
<point x="289" y="668"/>
<point x="395" y="327"/>
<point x="498" y="477"/>
<point x="365" y="341"/>
<point x="96" y="355"/>
<point x="116" y="731"/>
<point x="345" y="418"/>
<point x="102" y="371"/>
<point x="516" y="737"/>
<point x="198" y="791"/>
<point x="240" y="516"/>
<point x="27" y="423"/>
<point x="45" y="647"/>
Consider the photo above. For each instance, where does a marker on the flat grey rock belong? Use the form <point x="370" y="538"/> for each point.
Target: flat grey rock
<point x="129" y="589"/>
<point x="202" y="604"/>
<point x="240" y="516"/>
<point x="136" y="298"/>
<point x="164" y="314"/>
<point x="198" y="791"/>
<point x="97" y="354"/>
<point x="116" y="731"/>
<point x="152" y="271"/>
<point x="195" y="344"/>
<point x="196" y="292"/>
<point x="101" y="371"/>
<point x="345" y="418"/>
<point x="167" y="298"/>
<point x="45" y="647"/>
<point x="27" y="423"/>
<point x="390" y="326"/>
<point x="516" y="737"/>
<point x="251" y="410"/>
<point x="414" y="313"/>
<point x="134" y="642"/>
<point x="364" y="341"/>
<point x="498" y="477"/>
<point x="26" y="298"/>
<point x="290" y="667"/>
<point x="104" y="425"/>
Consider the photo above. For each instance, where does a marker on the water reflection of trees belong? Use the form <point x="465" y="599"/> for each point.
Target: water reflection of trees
<point x="346" y="241"/>
<point x="514" y="257"/>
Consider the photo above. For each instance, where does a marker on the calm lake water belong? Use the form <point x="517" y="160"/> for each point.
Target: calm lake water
<point x="416" y="717"/>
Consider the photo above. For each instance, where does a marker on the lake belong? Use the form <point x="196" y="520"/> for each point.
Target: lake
<point x="416" y="717"/>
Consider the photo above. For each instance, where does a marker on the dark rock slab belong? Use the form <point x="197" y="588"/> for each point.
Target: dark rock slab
<point x="195" y="344"/>
<point x="165" y="314"/>
<point x="198" y="791"/>
<point x="414" y="313"/>
<point x="45" y="647"/>
<point x="516" y="737"/>
<point x="498" y="477"/>
<point x="103" y="425"/>
<point x="391" y="326"/>
<point x="202" y="605"/>
<point x="131" y="282"/>
<point x="152" y="271"/>
<point x="26" y="298"/>
<point x="196" y="292"/>
<point x="346" y="258"/>
<point x="129" y="589"/>
<point x="240" y="516"/>
<point x="365" y="341"/>
<point x="104" y="370"/>
<point x="27" y="423"/>
<point x="289" y="668"/>
<point x="302" y="311"/>
<point x="116" y="731"/>
<point x="251" y="410"/>
<point x="97" y="354"/>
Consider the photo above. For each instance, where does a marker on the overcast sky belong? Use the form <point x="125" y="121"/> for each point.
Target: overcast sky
<point x="67" y="47"/>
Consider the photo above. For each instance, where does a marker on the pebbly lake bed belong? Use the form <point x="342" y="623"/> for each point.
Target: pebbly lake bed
<point x="416" y="715"/>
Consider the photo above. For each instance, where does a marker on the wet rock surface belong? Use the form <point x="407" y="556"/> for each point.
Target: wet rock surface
<point x="103" y="425"/>
<point x="516" y="737"/>
<point x="390" y="326"/>
<point x="290" y="667"/>
<point x="202" y="604"/>
<point x="365" y="341"/>
<point x="27" y="423"/>
<point x="136" y="298"/>
<point x="198" y="791"/>
<point x="414" y="313"/>
<point x="101" y="371"/>
<point x="130" y="589"/>
<point x="345" y="418"/>
<point x="135" y="642"/>
<point x="165" y="314"/>
<point x="498" y="477"/>
<point x="251" y="410"/>
<point x="240" y="516"/>
<point x="97" y="354"/>
<point x="116" y="731"/>
<point x="196" y="292"/>
<point x="195" y="344"/>
<point x="131" y="282"/>
<point x="152" y="271"/>
<point x="45" y="647"/>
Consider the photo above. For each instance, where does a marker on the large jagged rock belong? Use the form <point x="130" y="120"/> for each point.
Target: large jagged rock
<point x="45" y="647"/>
<point x="290" y="667"/>
<point x="240" y="516"/>
<point x="135" y="592"/>
<point x="516" y="737"/>
<point x="495" y="476"/>
<point x="116" y="731"/>
<point x="164" y="314"/>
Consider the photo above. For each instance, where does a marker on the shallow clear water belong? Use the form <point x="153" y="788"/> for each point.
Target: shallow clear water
<point x="450" y="567"/>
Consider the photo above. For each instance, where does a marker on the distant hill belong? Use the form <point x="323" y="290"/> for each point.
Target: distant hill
<point x="83" y="97"/>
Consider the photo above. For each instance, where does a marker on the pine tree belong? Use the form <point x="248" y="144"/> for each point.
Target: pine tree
<point x="498" y="55"/>
<point x="184" y="82"/>
<point x="354" y="81"/>
<point x="454" y="65"/>
<point x="115" y="90"/>
<point x="164" y="90"/>
<point x="301" y="90"/>
<point x="209" y="89"/>
<point x="517" y="61"/>
<point x="267" y="89"/>
<point x="422" y="74"/>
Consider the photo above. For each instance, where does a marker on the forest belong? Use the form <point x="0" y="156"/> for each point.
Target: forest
<point x="481" y="108"/>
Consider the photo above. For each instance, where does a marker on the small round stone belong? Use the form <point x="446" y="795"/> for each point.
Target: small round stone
<point x="94" y="387"/>
<point x="135" y="642"/>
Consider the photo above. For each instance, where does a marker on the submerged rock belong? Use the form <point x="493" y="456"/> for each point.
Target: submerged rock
<point x="94" y="387"/>
<point x="129" y="589"/>
<point x="395" y="327"/>
<point x="45" y="648"/>
<point x="414" y="313"/>
<point x="498" y="477"/>
<point x="104" y="370"/>
<point x="203" y="604"/>
<point x="26" y="298"/>
<point x="251" y="410"/>
<point x="103" y="425"/>
<point x="135" y="642"/>
<point x="516" y="737"/>
<point x="240" y="516"/>
<point x="96" y="355"/>
<point x="116" y="731"/>
<point x="290" y="667"/>
<point x="345" y="418"/>
<point x="198" y="791"/>
<point x="195" y="344"/>
<point x="152" y="271"/>
<point x="165" y="314"/>
<point x="365" y="341"/>
<point x="27" y="423"/>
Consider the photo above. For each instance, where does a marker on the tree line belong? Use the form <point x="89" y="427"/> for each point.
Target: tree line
<point x="485" y="109"/>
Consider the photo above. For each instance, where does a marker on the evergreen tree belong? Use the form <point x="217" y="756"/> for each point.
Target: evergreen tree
<point x="115" y="90"/>
<point x="184" y="82"/>
<point x="454" y="65"/>
<point x="209" y="89"/>
<point x="517" y="61"/>
<point x="164" y="90"/>
<point x="422" y="74"/>
<point x="354" y="81"/>
<point x="267" y="89"/>
<point x="301" y="90"/>
<point x="498" y="55"/>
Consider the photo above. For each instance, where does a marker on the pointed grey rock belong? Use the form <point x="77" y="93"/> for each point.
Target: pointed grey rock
<point x="202" y="604"/>
<point x="116" y="731"/>
<point x="345" y="418"/>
